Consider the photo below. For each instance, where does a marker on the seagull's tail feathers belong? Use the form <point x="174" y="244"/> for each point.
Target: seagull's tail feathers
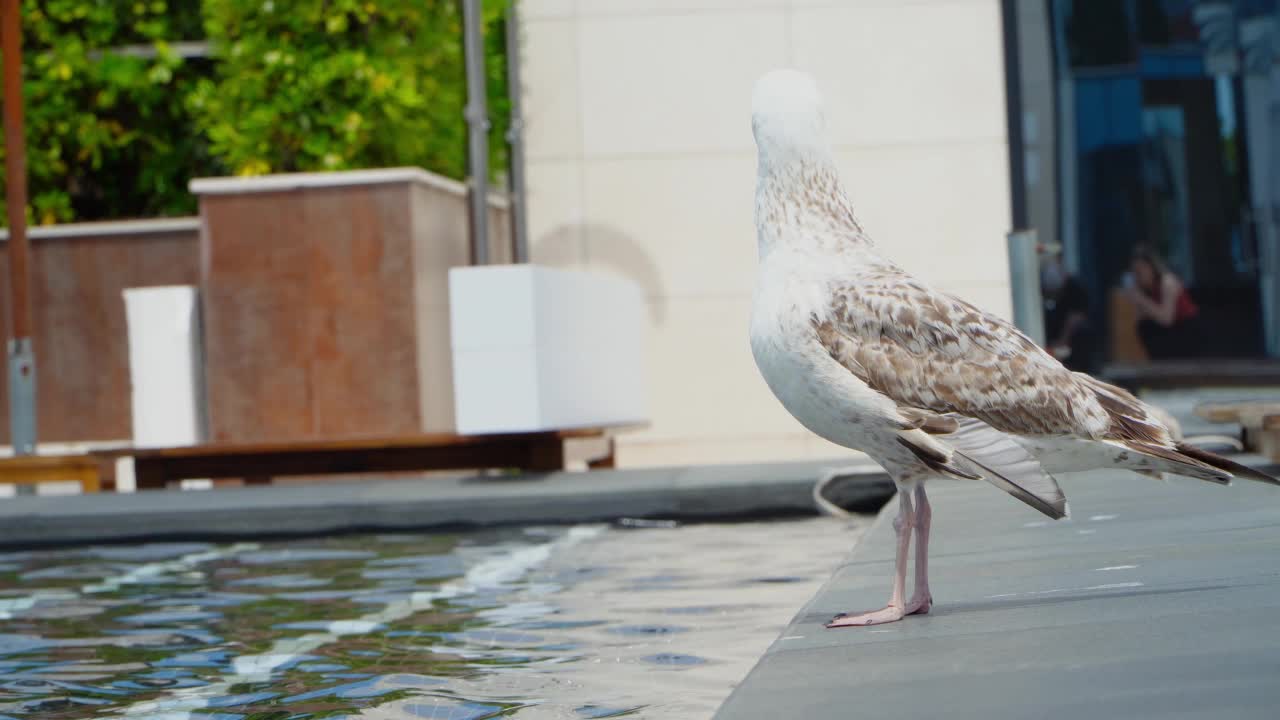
<point x="1149" y="440"/>
<point x="1181" y="459"/>
<point x="1226" y="465"/>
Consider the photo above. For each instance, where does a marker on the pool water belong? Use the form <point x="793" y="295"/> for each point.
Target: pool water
<point x="586" y="622"/>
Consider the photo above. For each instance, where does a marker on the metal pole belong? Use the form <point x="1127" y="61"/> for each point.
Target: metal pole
<point x="1024" y="258"/>
<point x="515" y="140"/>
<point x="22" y="361"/>
<point x="1024" y="281"/>
<point x="477" y="115"/>
<point x="1013" y="109"/>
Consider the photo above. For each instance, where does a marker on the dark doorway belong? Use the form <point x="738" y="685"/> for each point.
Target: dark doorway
<point x="1195" y="204"/>
<point x="1174" y="127"/>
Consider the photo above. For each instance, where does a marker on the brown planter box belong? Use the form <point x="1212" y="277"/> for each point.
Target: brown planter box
<point x="325" y="299"/>
<point x="78" y="274"/>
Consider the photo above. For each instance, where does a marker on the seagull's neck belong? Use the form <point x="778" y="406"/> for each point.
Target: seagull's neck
<point x="799" y="198"/>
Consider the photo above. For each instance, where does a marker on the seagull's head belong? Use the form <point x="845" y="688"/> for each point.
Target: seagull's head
<point x="786" y="115"/>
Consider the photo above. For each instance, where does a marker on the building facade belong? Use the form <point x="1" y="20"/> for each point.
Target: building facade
<point x="641" y="163"/>
<point x="1158" y="122"/>
<point x="1150" y="122"/>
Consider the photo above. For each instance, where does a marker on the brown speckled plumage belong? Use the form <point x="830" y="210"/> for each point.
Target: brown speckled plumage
<point x="930" y="351"/>
<point x="928" y="385"/>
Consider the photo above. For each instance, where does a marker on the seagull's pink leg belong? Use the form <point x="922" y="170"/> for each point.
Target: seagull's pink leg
<point x="902" y="525"/>
<point x="921" y="600"/>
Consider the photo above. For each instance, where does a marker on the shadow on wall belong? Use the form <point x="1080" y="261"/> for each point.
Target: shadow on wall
<point x="604" y="247"/>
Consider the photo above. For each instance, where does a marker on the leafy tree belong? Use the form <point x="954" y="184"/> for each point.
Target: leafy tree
<point x="117" y="121"/>
<point x="105" y="137"/>
<point x="339" y="84"/>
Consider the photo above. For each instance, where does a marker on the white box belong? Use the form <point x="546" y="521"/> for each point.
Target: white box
<point x="536" y="348"/>
<point x="166" y="365"/>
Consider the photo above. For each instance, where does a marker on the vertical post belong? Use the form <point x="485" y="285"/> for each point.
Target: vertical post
<point x="1013" y="115"/>
<point x="21" y="356"/>
<point x="1024" y="258"/>
<point x="1024" y="280"/>
<point x="477" y="115"/>
<point x="515" y="140"/>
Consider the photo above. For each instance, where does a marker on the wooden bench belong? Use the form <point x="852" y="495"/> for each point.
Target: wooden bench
<point x="34" y="469"/>
<point x="1259" y="420"/>
<point x="1164" y="374"/>
<point x="258" y="463"/>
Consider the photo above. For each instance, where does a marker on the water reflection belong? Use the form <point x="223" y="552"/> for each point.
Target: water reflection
<point x="528" y="624"/>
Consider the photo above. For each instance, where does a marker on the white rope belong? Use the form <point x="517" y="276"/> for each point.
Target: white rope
<point x="825" y="506"/>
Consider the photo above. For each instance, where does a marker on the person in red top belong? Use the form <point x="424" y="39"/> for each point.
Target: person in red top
<point x="1167" y="315"/>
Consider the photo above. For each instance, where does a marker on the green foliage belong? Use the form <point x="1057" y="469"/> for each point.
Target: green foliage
<point x="291" y="85"/>
<point x="104" y="135"/>
<point x="339" y="84"/>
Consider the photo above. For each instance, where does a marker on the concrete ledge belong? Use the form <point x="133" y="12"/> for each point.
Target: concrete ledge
<point x="132" y="229"/>
<point x="1155" y="600"/>
<point x="698" y="493"/>
<point x="281" y="182"/>
<point x="1169" y="374"/>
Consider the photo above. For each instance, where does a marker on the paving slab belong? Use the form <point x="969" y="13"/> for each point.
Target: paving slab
<point x="715" y="492"/>
<point x="1155" y="599"/>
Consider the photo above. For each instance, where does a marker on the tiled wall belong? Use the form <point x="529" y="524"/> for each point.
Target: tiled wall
<point x="641" y="163"/>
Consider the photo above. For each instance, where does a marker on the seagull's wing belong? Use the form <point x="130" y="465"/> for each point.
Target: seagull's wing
<point x="971" y="379"/>
<point x="932" y="351"/>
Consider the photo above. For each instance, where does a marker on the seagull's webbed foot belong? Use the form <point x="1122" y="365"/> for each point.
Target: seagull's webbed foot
<point x="876" y="617"/>
<point x="919" y="605"/>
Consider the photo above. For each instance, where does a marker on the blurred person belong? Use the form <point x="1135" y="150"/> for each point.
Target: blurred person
<point x="1068" y="333"/>
<point x="1168" y="323"/>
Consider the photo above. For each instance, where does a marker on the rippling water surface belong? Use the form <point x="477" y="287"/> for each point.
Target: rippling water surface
<point x="584" y="622"/>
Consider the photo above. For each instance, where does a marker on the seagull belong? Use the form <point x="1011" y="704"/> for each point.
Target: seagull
<point x="928" y="385"/>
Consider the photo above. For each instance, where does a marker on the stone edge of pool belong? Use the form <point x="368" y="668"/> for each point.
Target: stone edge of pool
<point x="797" y="678"/>
<point x="704" y="493"/>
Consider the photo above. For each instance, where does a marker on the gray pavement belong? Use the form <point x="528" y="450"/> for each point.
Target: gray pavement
<point x="687" y="493"/>
<point x="1155" y="600"/>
